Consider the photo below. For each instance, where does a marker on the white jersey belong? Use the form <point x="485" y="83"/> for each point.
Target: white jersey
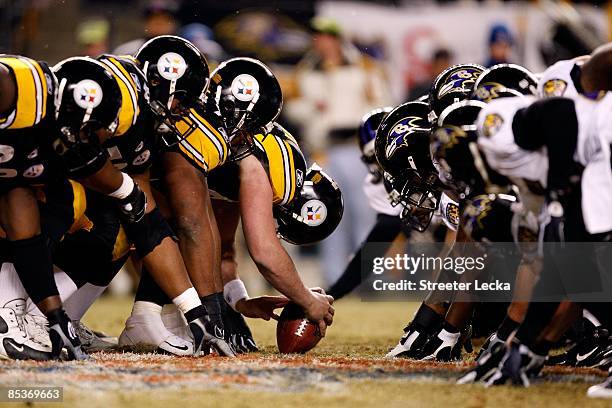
<point x="496" y="140"/>
<point x="378" y="198"/>
<point x="557" y="80"/>
<point x="593" y="152"/>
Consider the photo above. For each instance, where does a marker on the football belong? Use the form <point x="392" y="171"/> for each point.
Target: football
<point x="294" y="332"/>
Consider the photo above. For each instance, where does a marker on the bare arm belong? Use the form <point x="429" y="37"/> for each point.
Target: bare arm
<point x="264" y="246"/>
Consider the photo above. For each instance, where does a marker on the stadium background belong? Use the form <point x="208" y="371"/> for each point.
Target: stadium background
<point x="399" y="37"/>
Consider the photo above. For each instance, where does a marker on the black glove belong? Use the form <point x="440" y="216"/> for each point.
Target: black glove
<point x="133" y="206"/>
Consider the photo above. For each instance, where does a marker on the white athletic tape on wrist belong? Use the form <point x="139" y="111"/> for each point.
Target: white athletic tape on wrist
<point x="233" y="291"/>
<point x="125" y="189"/>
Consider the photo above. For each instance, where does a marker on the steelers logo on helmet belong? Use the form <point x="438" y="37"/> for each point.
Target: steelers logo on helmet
<point x="244" y="87"/>
<point x="314" y="213"/>
<point x="492" y="123"/>
<point x="87" y="94"/>
<point x="171" y="66"/>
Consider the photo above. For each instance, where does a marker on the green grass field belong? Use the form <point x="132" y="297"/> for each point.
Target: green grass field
<point x="346" y="369"/>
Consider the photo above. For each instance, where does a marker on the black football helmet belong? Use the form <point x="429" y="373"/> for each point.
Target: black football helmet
<point x="88" y="100"/>
<point x="367" y="134"/>
<point x="249" y="99"/>
<point x="504" y="80"/>
<point x="177" y="74"/>
<point x="455" y="153"/>
<point x="315" y="213"/>
<point x="454" y="84"/>
<point x="402" y="150"/>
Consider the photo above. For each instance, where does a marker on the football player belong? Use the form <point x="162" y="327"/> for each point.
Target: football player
<point x="36" y="107"/>
<point x="570" y="215"/>
<point x="244" y="97"/>
<point x="129" y="147"/>
<point x="416" y="187"/>
<point x="388" y="228"/>
<point x="273" y="183"/>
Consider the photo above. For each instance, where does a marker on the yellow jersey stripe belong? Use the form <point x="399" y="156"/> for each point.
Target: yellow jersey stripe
<point x="25" y="109"/>
<point x="41" y="101"/>
<point x="205" y="146"/>
<point x="128" y="113"/>
<point x="218" y="136"/>
<point x="79" y="205"/>
<point x="122" y="245"/>
<point x="276" y="162"/>
<point x="291" y="177"/>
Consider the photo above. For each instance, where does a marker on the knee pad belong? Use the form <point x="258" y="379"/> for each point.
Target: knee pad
<point x="149" y="232"/>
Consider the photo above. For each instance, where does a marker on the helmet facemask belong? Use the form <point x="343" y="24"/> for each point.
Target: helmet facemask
<point x="239" y="123"/>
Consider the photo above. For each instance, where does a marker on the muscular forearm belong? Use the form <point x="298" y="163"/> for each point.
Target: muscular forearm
<point x="279" y="270"/>
<point x="105" y="181"/>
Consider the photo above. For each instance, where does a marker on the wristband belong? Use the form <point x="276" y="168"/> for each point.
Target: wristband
<point x="233" y="291"/>
<point x="125" y="189"/>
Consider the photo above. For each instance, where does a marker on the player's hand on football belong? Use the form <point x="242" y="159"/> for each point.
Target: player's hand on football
<point x="261" y="307"/>
<point x="320" y="309"/>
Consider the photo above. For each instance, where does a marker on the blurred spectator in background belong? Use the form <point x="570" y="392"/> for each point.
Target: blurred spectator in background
<point x="336" y="86"/>
<point x="440" y="60"/>
<point x="500" y="45"/>
<point x="159" y="19"/>
<point x="203" y="38"/>
<point x="92" y="36"/>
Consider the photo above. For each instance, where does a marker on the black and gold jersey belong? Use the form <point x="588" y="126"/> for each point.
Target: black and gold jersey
<point x="282" y="159"/>
<point x="25" y="152"/>
<point x="68" y="208"/>
<point x="35" y="92"/>
<point x="130" y="148"/>
<point x="205" y="147"/>
<point x="280" y="154"/>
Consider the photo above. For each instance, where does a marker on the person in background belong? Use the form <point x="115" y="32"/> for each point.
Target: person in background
<point x="92" y="36"/>
<point x="203" y="37"/>
<point x="500" y="45"/>
<point x="336" y="85"/>
<point x="159" y="19"/>
<point x="441" y="59"/>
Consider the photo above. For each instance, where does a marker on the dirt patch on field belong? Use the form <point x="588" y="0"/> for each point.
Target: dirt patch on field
<point x="108" y="371"/>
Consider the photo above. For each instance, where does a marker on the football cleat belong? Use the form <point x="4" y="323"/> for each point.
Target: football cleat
<point x="518" y="365"/>
<point x="35" y="325"/>
<point x="411" y="343"/>
<point x="207" y="335"/>
<point x="63" y="335"/>
<point x="147" y="329"/>
<point x="15" y="343"/>
<point x="442" y="346"/>
<point x="603" y="390"/>
<point x="90" y="341"/>
<point x="487" y="364"/>
<point x="588" y="352"/>
<point x="237" y="332"/>
<point x="174" y="321"/>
